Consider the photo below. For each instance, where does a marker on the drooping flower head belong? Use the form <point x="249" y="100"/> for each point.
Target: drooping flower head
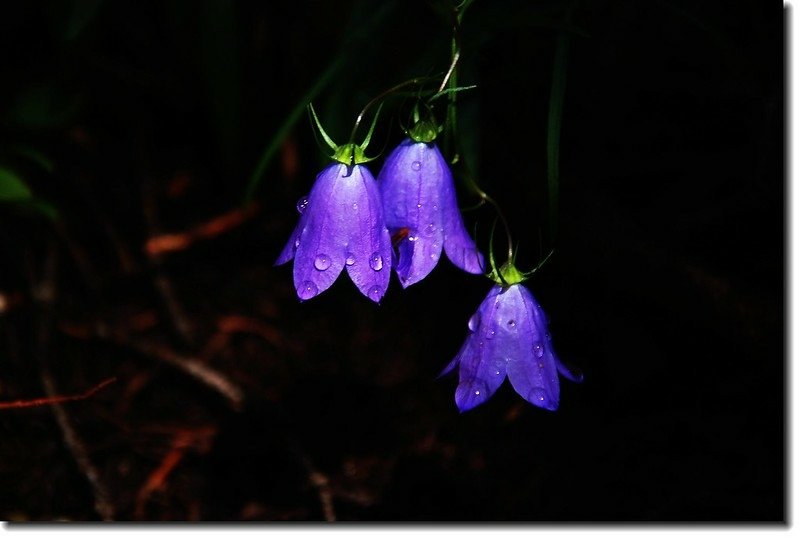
<point x="341" y="226"/>
<point x="422" y="210"/>
<point x="508" y="337"/>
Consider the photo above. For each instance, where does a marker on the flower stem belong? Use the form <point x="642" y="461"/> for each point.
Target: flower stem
<point x="412" y="82"/>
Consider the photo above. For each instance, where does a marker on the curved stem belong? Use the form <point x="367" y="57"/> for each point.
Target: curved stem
<point x="484" y="197"/>
<point x="383" y="95"/>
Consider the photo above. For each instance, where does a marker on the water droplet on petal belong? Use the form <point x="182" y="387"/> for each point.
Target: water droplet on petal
<point x="537" y="394"/>
<point x="374" y="293"/>
<point x="376" y="261"/>
<point x="435" y="207"/>
<point x="429" y="229"/>
<point x="511" y="324"/>
<point x="322" y="262"/>
<point x="350" y="261"/>
<point x="474" y="322"/>
<point x="477" y="392"/>
<point x="489" y="334"/>
<point x="296" y="244"/>
<point x="418" y="205"/>
<point x="416" y="165"/>
<point x="302" y="204"/>
<point x="307" y="290"/>
<point x="354" y="206"/>
<point x="538" y="350"/>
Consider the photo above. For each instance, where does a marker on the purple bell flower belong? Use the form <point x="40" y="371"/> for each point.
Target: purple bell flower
<point x="422" y="212"/>
<point x="508" y="337"/>
<point x="341" y="226"/>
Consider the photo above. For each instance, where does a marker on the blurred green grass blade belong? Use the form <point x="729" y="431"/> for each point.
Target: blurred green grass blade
<point x="41" y="207"/>
<point x="15" y="192"/>
<point x="296" y="113"/>
<point x="357" y="31"/>
<point x="12" y="188"/>
<point x="554" y="123"/>
<point x="80" y="14"/>
<point x="35" y="156"/>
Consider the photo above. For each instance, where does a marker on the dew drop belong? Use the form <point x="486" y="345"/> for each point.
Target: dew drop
<point x="350" y="261"/>
<point x="474" y="322"/>
<point x="435" y="207"/>
<point x="489" y="334"/>
<point x="418" y="205"/>
<point x="296" y="244"/>
<point x="537" y="394"/>
<point x="374" y="293"/>
<point x="416" y="165"/>
<point x="511" y="324"/>
<point x="376" y="261"/>
<point x="429" y="229"/>
<point x="538" y="350"/>
<point x="307" y="290"/>
<point x="302" y="204"/>
<point x="354" y="206"/>
<point x="322" y="262"/>
<point x="477" y="392"/>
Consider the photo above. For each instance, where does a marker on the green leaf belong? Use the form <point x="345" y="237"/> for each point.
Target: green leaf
<point x="12" y="188"/>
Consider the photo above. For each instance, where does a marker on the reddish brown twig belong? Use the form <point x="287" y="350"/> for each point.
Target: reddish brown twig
<point x="171" y="242"/>
<point x="58" y="399"/>
<point x="198" y="438"/>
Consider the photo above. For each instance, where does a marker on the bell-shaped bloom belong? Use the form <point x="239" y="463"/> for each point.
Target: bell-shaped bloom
<point x="341" y="226"/>
<point x="422" y="211"/>
<point x="508" y="337"/>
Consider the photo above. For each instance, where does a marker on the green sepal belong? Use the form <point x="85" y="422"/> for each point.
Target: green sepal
<point x="349" y="153"/>
<point x="329" y="141"/>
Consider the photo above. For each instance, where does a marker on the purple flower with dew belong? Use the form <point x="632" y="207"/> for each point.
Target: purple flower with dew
<point x="422" y="211"/>
<point x="341" y="226"/>
<point x="508" y="338"/>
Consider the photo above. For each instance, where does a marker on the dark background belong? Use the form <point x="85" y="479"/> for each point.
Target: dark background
<point x="136" y="119"/>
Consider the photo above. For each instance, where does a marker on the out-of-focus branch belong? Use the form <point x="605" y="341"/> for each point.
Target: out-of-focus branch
<point x="45" y="292"/>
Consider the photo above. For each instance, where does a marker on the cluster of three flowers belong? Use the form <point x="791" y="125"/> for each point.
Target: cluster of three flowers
<point x="348" y="221"/>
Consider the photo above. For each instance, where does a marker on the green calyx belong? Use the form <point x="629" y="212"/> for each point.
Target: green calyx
<point x="507" y="275"/>
<point x="349" y="153"/>
<point x="424" y="131"/>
